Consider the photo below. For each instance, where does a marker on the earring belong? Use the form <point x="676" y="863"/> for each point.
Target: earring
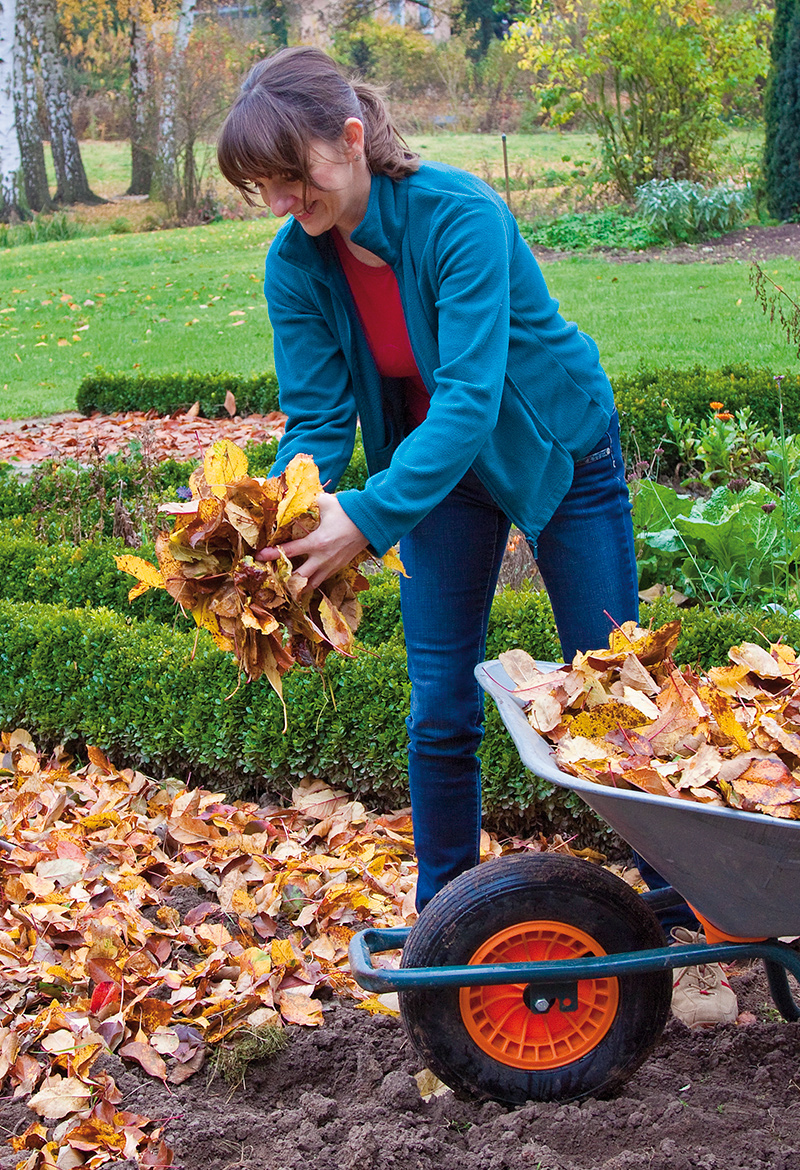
<point x="356" y="158"/>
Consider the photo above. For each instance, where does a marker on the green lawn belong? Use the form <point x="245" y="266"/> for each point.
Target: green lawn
<point x="192" y="298"/>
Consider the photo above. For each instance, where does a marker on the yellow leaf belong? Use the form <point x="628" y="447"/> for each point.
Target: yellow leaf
<point x="224" y="463"/>
<point x="302" y="489"/>
<point x="148" y="575"/>
<point x="392" y="561"/>
<point x="376" y="1007"/>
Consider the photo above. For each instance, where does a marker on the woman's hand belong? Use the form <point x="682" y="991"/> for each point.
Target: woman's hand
<point x="330" y="547"/>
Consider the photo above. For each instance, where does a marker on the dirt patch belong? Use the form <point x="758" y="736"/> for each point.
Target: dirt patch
<point x="745" y="244"/>
<point x="344" y="1096"/>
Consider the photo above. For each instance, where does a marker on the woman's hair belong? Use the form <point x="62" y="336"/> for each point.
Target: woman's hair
<point x="294" y="96"/>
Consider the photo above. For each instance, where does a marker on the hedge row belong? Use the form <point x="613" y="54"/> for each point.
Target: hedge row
<point x="166" y="393"/>
<point x="168" y="702"/>
<point x="644" y="398"/>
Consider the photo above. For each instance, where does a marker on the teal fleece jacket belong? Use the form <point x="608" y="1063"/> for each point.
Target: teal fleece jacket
<point x="517" y="393"/>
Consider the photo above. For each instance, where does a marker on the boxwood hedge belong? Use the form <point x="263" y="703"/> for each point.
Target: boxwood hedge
<point x="170" y="702"/>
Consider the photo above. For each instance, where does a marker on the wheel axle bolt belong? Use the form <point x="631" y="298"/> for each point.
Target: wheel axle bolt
<point x="541" y="1005"/>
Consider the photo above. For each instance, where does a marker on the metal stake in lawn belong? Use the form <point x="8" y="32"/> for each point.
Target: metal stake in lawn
<point x="505" y="168"/>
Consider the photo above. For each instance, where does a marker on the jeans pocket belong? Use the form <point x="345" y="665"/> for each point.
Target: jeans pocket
<point x="602" y="451"/>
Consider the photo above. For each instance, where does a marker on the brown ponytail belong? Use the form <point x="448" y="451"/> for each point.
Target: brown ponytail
<point x="292" y="97"/>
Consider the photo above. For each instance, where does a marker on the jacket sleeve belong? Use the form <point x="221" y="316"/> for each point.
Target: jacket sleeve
<point x="472" y="248"/>
<point x="316" y="391"/>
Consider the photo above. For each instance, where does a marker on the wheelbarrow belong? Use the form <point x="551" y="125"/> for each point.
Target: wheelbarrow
<point x="545" y="977"/>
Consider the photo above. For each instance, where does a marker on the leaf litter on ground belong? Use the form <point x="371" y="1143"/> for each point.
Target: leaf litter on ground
<point x="628" y="717"/>
<point x="96" y="957"/>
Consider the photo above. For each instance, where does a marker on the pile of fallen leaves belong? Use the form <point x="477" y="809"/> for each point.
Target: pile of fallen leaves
<point x="628" y="717"/>
<point x="266" y="614"/>
<point x="183" y="435"/>
<point x="145" y="919"/>
<point x="94" y="958"/>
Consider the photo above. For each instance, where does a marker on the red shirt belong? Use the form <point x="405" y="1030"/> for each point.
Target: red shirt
<point x="380" y="311"/>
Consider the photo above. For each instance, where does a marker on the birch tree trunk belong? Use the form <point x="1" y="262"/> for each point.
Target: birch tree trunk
<point x="142" y="105"/>
<point x="26" y="111"/>
<point x="10" y="160"/>
<point x="165" y="179"/>
<point x="73" y="186"/>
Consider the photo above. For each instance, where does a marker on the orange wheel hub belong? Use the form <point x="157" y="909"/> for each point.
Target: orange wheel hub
<point x="502" y="1025"/>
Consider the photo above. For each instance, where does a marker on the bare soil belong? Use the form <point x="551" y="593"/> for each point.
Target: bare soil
<point x="344" y="1096"/>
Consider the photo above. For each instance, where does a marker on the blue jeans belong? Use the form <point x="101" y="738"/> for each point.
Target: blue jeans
<point x="586" y="558"/>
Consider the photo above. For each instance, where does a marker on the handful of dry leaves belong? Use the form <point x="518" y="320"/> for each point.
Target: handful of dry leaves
<point x="264" y="614"/>
<point x="628" y="717"/>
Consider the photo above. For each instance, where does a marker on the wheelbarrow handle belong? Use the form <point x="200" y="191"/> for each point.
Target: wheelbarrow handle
<point x="372" y="941"/>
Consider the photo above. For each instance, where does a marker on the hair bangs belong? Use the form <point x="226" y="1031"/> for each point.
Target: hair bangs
<point x="258" y="141"/>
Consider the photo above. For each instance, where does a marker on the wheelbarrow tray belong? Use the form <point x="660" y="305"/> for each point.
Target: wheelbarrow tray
<point x="740" y="870"/>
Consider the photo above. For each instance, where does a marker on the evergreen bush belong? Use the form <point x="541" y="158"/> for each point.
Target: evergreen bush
<point x="782" y="113"/>
<point x="168" y="702"/>
<point x="110" y="392"/>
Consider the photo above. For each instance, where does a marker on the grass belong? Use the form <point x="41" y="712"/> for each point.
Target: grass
<point x="156" y="301"/>
<point x="162" y="301"/>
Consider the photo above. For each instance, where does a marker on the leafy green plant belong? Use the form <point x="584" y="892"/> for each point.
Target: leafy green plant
<point x="610" y="228"/>
<point x="681" y="211"/>
<point x="42" y="229"/>
<point x="732" y="548"/>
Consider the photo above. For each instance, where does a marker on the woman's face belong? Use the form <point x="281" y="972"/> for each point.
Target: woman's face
<point x="336" y="197"/>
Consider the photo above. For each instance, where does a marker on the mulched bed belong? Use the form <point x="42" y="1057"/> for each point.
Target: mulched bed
<point x="344" y="1096"/>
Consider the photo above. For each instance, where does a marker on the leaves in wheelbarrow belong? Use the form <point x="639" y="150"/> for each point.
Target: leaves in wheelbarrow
<point x="628" y="717"/>
<point x="266" y="614"/>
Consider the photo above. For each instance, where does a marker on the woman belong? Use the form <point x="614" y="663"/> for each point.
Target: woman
<point x="402" y="295"/>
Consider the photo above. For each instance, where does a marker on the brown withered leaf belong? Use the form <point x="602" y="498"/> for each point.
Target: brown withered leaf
<point x="263" y="613"/>
<point x="732" y="736"/>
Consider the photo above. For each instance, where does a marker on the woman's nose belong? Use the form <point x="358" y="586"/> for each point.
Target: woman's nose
<point x="280" y="203"/>
<point x="278" y="198"/>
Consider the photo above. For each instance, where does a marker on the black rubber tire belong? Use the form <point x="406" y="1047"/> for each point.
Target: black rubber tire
<point x="498" y="895"/>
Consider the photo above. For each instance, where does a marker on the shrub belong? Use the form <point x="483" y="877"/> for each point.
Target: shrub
<point x="166" y="393"/>
<point x="681" y="211"/>
<point x="593" y="229"/>
<point x="169" y="703"/>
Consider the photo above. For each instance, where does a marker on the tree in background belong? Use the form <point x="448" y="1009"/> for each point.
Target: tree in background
<point x="206" y="82"/>
<point x="650" y="76"/>
<point x="26" y="113"/>
<point x="143" y="112"/>
<point x="72" y="184"/>
<point x="782" y="114"/>
<point x="10" y="159"/>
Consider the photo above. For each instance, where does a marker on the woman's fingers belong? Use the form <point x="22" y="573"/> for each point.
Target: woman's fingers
<point x="330" y="547"/>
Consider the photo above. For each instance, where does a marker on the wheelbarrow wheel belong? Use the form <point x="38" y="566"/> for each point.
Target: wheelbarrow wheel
<point x="508" y="1042"/>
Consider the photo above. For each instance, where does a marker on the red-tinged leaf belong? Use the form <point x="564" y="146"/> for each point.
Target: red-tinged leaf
<point x="193" y="411"/>
<point x="199" y="913"/>
<point x="230" y="404"/>
<point x="103" y="994"/>
<point x="146" y="1056"/>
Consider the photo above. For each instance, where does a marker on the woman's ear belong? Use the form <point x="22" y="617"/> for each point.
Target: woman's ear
<point x="354" y="136"/>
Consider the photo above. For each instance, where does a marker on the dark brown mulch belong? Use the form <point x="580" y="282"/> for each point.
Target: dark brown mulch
<point x="344" y="1096"/>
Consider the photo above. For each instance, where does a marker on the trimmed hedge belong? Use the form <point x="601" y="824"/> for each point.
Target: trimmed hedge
<point x="168" y="702"/>
<point x="110" y="392"/>
<point x="645" y="398"/>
